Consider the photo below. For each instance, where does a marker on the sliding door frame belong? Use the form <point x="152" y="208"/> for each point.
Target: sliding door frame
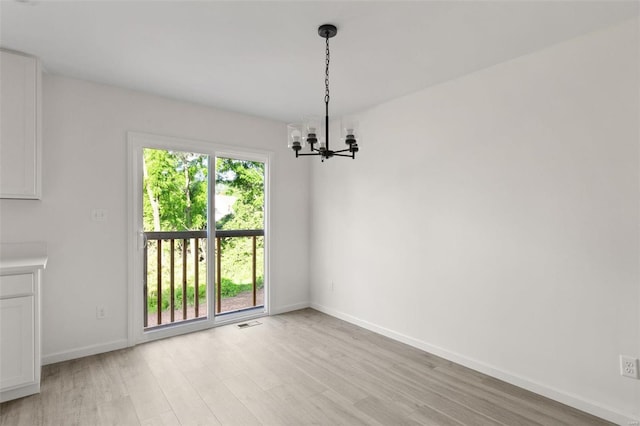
<point x="136" y="142"/>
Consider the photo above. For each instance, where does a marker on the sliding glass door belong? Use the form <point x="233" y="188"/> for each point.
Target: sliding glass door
<point x="198" y="236"/>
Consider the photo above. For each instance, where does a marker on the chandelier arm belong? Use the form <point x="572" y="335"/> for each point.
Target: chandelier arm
<point x="343" y="150"/>
<point x="341" y="155"/>
<point x="309" y="153"/>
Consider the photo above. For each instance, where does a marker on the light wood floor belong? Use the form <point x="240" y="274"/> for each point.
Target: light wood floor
<point x="298" y="368"/>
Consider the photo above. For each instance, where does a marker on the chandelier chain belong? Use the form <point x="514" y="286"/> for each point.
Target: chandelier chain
<point x="326" y="75"/>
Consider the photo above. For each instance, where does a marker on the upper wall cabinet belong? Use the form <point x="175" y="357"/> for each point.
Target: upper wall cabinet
<point x="20" y="122"/>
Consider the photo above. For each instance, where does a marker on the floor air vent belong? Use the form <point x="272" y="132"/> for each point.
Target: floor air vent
<point x="248" y="324"/>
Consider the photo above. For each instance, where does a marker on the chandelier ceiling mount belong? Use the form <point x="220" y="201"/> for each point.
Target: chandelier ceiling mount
<point x="327" y="31"/>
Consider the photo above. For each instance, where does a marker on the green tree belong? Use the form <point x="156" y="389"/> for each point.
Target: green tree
<point x="175" y="184"/>
<point x="245" y="181"/>
<point x="176" y="193"/>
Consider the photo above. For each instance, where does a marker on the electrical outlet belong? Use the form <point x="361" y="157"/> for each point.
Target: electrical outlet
<point x="101" y="312"/>
<point x="629" y="366"/>
<point x="99" y="215"/>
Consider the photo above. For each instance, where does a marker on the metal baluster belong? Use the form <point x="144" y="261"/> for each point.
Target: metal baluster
<point x="173" y="280"/>
<point x="184" y="279"/>
<point x="159" y="284"/>
<point x="196" y="273"/>
<point x="144" y="285"/>
<point x="218" y="276"/>
<point x="254" y="270"/>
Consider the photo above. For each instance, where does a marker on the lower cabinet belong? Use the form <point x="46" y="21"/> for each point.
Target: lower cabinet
<point x="19" y="335"/>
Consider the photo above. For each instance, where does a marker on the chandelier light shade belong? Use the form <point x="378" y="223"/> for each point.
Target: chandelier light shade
<point x="314" y="131"/>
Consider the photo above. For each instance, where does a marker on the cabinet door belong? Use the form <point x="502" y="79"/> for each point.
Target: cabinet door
<point x="19" y="126"/>
<point x="17" y="359"/>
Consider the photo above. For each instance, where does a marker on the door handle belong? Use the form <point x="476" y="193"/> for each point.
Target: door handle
<point x="142" y="241"/>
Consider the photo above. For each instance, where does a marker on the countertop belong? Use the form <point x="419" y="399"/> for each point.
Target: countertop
<point x="21" y="257"/>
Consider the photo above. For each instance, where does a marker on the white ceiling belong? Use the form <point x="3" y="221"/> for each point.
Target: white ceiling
<point x="265" y="58"/>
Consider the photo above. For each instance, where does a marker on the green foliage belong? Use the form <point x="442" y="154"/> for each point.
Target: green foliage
<point x="227" y="289"/>
<point x="245" y="181"/>
<point x="152" y="299"/>
<point x="176" y="182"/>
<point x="230" y="289"/>
<point x="175" y="199"/>
<point x="237" y="258"/>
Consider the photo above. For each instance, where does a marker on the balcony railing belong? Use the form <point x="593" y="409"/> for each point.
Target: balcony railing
<point x="177" y="261"/>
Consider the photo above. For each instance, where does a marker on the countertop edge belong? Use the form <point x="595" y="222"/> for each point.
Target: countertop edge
<point x="21" y="257"/>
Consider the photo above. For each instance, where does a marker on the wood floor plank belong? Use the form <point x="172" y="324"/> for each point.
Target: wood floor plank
<point x="339" y="411"/>
<point x="329" y="378"/>
<point x="298" y="368"/>
<point x="467" y="396"/>
<point x="227" y="408"/>
<point x="262" y="404"/>
<point x="183" y="398"/>
<point x="502" y="397"/>
<point x="385" y="412"/>
<point x="167" y="418"/>
<point x="431" y="417"/>
<point x="117" y="412"/>
<point x="150" y="403"/>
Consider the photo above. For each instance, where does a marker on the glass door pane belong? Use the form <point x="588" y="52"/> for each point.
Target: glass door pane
<point x="239" y="218"/>
<point x="175" y="195"/>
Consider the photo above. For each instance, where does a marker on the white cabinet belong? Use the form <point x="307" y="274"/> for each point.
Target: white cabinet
<point x="17" y="363"/>
<point x="20" y="359"/>
<point x="20" y="124"/>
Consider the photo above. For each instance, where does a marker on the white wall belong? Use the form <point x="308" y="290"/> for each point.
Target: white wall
<point x="85" y="167"/>
<point x="494" y="220"/>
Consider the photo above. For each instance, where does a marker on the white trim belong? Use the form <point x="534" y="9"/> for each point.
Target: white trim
<point x="569" y="399"/>
<point x="133" y="208"/>
<point x="266" y="158"/>
<point x="135" y="143"/>
<point x="19" y="392"/>
<point x="171" y="331"/>
<point x="38" y="178"/>
<point x="288" y="308"/>
<point x="204" y="147"/>
<point x="266" y="280"/>
<point x="84" y="351"/>
<point x="234" y="317"/>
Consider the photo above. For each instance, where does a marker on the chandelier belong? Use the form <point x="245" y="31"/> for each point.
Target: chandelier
<point x="312" y="131"/>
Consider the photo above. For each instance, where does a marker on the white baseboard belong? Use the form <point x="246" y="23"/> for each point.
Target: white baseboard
<point x="22" y="391"/>
<point x="533" y="386"/>
<point x="84" y="351"/>
<point x="288" y="308"/>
